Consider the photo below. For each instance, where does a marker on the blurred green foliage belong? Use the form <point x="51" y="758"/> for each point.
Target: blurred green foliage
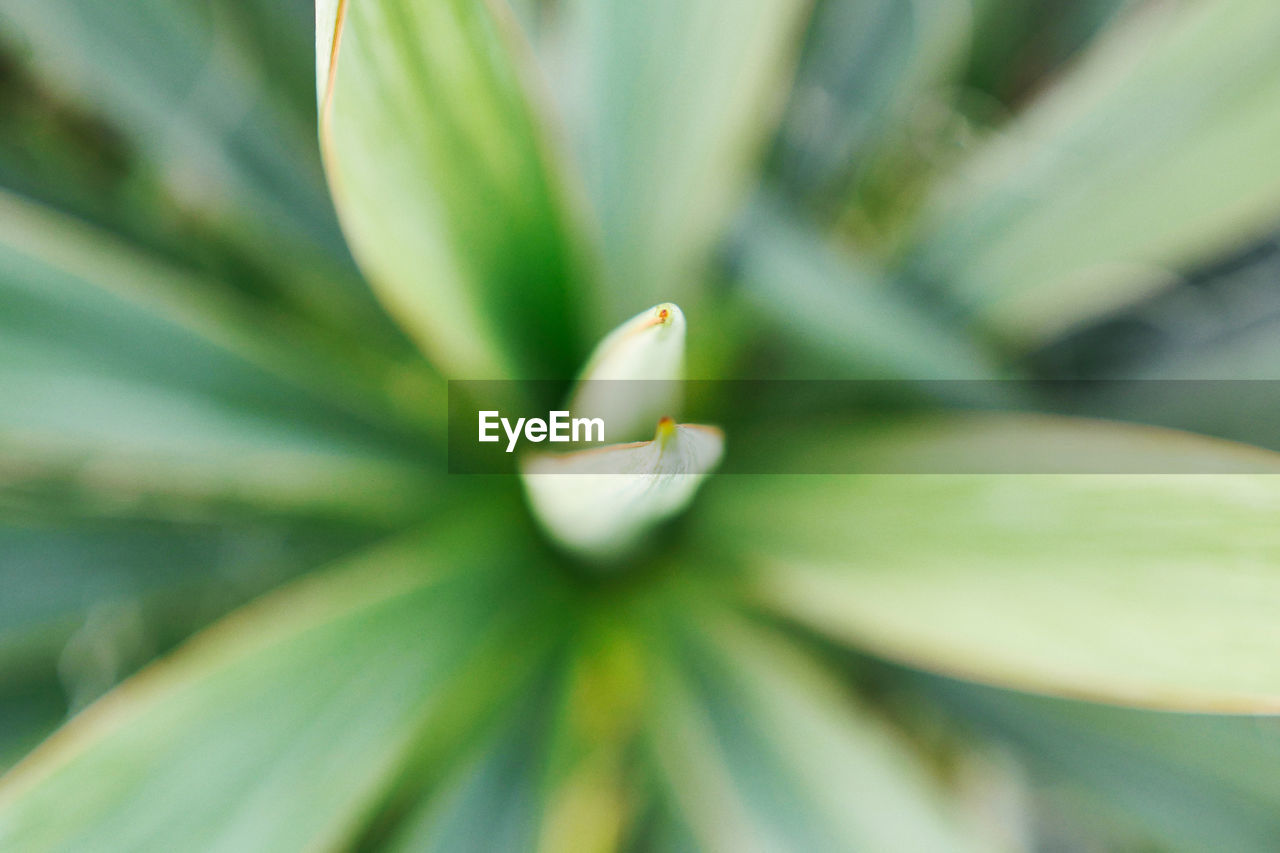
<point x="202" y="397"/>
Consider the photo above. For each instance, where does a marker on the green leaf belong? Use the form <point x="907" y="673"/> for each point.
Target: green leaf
<point x="1143" y="589"/>
<point x="864" y="73"/>
<point x="30" y="708"/>
<point x="551" y="774"/>
<point x="281" y="728"/>
<point x="87" y="602"/>
<point x="493" y="799"/>
<point x="128" y="376"/>
<point x="447" y="186"/>
<point x="212" y="142"/>
<point x="679" y="97"/>
<point x="185" y="89"/>
<point x="1019" y="45"/>
<point x="1154" y="153"/>
<point x="1175" y="781"/>
<point x="62" y="575"/>
<point x="759" y="749"/>
<point x="859" y="322"/>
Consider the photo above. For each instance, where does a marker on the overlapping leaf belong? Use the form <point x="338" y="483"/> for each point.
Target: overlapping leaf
<point x="853" y="319"/>
<point x="281" y="728"/>
<point x="1140" y="588"/>
<point x="670" y="103"/>
<point x="447" y="186"/>
<point x="1154" y="153"/>
<point x="1172" y="781"/>
<point x="759" y="751"/>
<point x="122" y="374"/>
<point x="865" y="67"/>
<point x="221" y="147"/>
<point x="88" y="601"/>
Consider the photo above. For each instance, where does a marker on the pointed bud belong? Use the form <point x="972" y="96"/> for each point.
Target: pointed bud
<point x="599" y="503"/>
<point x="633" y="377"/>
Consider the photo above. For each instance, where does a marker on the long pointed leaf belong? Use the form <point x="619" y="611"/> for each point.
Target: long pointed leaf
<point x="679" y="97"/>
<point x="280" y="728"/>
<point x="215" y="147"/>
<point x="857" y="321"/>
<point x="1155" y="153"/>
<point x="760" y="751"/>
<point x="1171" y="781"/>
<point x="118" y="371"/>
<point x="446" y="184"/>
<point x="1144" y="589"/>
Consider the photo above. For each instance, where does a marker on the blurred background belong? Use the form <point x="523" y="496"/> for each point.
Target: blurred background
<point x="184" y="132"/>
<point x="183" y="135"/>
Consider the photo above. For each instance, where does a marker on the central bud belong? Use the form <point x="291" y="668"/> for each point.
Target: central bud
<point x="599" y="503"/>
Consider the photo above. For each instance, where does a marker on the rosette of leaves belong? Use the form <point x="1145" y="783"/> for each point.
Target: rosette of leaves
<point x="202" y="399"/>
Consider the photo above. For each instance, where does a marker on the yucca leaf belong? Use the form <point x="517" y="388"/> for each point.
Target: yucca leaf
<point x="212" y="143"/>
<point x="495" y="797"/>
<point x="184" y="88"/>
<point x="88" y="601"/>
<point x="272" y="340"/>
<point x="119" y="370"/>
<point x="1187" y="782"/>
<point x="30" y="710"/>
<point x="1143" y="589"/>
<point x="447" y="186"/>
<point x="760" y="750"/>
<point x="327" y="685"/>
<point x="1017" y="45"/>
<point x="865" y="67"/>
<point x="1154" y="153"/>
<point x="56" y="570"/>
<point x="492" y="803"/>
<point x="592" y="794"/>
<point x="548" y="777"/>
<point x="670" y="105"/>
<point x="842" y="313"/>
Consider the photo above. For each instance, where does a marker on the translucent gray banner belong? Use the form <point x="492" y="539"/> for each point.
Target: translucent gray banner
<point x="890" y="427"/>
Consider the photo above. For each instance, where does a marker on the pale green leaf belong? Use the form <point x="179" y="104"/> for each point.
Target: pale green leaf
<point x="1018" y="45"/>
<point x="281" y="728"/>
<point x="633" y="378"/>
<point x="552" y="774"/>
<point x="447" y="186"/>
<point x="1135" y="588"/>
<point x="759" y="749"/>
<point x="599" y="502"/>
<point x="670" y="103"/>
<point x="1153" y="153"/>
<point x="185" y="89"/>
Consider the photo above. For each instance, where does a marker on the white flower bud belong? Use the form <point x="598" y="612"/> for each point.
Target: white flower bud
<point x="600" y="502"/>
<point x="633" y="377"/>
